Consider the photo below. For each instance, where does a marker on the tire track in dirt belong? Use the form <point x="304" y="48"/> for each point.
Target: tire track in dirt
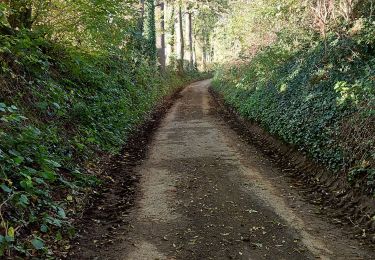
<point x="206" y="194"/>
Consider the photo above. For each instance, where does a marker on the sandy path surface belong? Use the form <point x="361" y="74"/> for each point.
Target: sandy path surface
<point x="206" y="194"/>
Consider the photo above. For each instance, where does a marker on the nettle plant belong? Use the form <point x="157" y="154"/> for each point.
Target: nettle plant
<point x="28" y="174"/>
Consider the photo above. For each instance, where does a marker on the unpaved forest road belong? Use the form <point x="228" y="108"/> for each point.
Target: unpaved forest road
<point x="205" y="194"/>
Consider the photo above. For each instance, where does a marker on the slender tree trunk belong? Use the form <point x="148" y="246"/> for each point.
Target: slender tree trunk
<point x="139" y="37"/>
<point x="204" y="56"/>
<point x="195" y="55"/>
<point x="162" y="58"/>
<point x="190" y="24"/>
<point x="142" y="16"/>
<point x="182" y="42"/>
<point x="172" y="41"/>
<point x="172" y="24"/>
<point x="151" y="31"/>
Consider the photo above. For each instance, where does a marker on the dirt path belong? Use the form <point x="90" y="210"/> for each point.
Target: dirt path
<point x="206" y="194"/>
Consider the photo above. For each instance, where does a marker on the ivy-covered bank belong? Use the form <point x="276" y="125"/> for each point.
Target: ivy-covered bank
<point x="319" y="97"/>
<point x="59" y="108"/>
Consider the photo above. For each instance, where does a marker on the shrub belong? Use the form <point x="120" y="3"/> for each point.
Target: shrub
<point x="320" y="100"/>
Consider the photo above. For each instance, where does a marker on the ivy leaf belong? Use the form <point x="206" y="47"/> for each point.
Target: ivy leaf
<point x="48" y="175"/>
<point x="40" y="181"/>
<point x="26" y="183"/>
<point x="44" y="228"/>
<point x="9" y="239"/>
<point x="53" y="221"/>
<point x="61" y="213"/>
<point x="59" y="236"/>
<point x="37" y="243"/>
<point x="18" y="160"/>
<point x="12" y="109"/>
<point x="24" y="200"/>
<point x="11" y="232"/>
<point x="6" y="188"/>
<point x="56" y="105"/>
<point x="52" y="163"/>
<point x="42" y="105"/>
<point x="14" y="152"/>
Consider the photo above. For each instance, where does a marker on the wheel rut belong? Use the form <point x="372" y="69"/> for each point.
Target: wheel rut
<point x="206" y="194"/>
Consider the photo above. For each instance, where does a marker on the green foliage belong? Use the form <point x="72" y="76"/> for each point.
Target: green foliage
<point x="151" y="30"/>
<point x="321" y="101"/>
<point x="101" y="25"/>
<point x="250" y="25"/>
<point x="59" y="107"/>
<point x="28" y="173"/>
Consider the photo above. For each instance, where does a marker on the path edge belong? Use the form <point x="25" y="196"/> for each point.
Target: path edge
<point x="131" y="155"/>
<point x="349" y="204"/>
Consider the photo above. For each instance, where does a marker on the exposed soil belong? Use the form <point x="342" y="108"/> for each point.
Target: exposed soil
<point x="102" y="223"/>
<point x="204" y="193"/>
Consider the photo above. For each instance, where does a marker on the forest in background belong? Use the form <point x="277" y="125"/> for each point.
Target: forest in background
<point x="77" y="77"/>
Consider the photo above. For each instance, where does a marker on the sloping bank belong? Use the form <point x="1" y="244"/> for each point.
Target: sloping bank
<point x="320" y="102"/>
<point x="60" y="109"/>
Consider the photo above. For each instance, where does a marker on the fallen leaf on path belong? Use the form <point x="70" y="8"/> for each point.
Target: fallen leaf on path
<point x="251" y="211"/>
<point x="258" y="245"/>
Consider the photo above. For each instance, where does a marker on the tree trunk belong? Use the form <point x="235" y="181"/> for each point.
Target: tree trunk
<point x="151" y="31"/>
<point x="190" y="24"/>
<point x="162" y="59"/>
<point x="212" y="52"/>
<point x="204" y="57"/>
<point x="195" y="55"/>
<point x="172" y="40"/>
<point x="142" y="16"/>
<point x="182" y="43"/>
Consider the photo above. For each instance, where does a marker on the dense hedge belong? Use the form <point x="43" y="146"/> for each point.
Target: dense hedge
<point x="59" y="107"/>
<point x="320" y="98"/>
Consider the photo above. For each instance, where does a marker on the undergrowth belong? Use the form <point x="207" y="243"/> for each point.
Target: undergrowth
<point x="319" y="97"/>
<point x="59" y="108"/>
